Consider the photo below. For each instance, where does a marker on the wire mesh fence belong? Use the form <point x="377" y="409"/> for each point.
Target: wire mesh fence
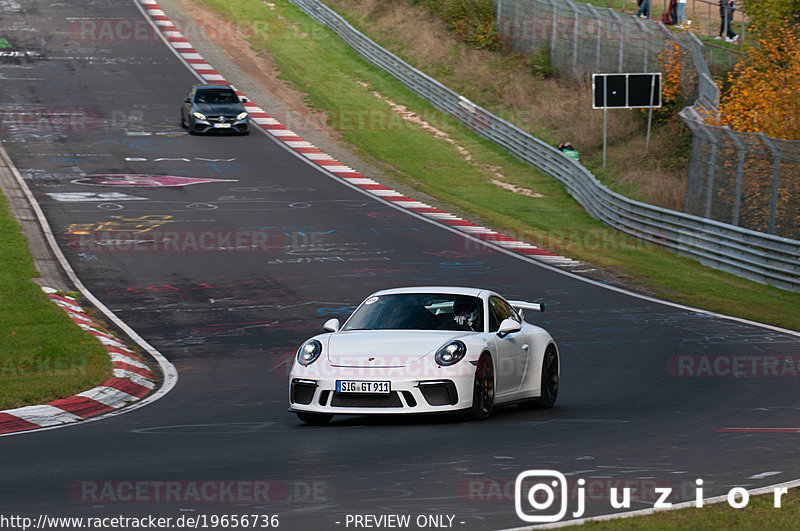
<point x="755" y="255"/>
<point x="744" y="179"/>
<point x="582" y="39"/>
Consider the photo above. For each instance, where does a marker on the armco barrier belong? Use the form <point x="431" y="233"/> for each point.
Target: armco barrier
<point x="760" y="257"/>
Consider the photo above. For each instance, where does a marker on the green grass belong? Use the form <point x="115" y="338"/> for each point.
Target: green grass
<point x="43" y="354"/>
<point x="328" y="72"/>
<point x="759" y="513"/>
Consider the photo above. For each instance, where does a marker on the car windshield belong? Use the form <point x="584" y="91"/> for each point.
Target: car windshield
<point x="418" y="311"/>
<point x="216" y="95"/>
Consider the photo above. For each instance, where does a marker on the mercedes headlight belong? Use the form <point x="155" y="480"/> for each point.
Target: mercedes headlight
<point x="451" y="353"/>
<point x="309" y="352"/>
<point x="199" y="115"/>
<point x="242" y="115"/>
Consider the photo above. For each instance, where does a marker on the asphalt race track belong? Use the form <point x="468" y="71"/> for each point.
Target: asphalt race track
<point x="268" y="249"/>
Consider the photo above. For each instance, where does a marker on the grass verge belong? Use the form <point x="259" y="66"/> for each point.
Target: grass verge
<point x="337" y="82"/>
<point x="43" y="354"/>
<point x="760" y="513"/>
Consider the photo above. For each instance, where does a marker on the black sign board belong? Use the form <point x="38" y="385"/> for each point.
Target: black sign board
<point x="626" y="91"/>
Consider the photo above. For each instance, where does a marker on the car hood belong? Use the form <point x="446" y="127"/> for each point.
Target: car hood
<point x="385" y="348"/>
<point x="219" y="108"/>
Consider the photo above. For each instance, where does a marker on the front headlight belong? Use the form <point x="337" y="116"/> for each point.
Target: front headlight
<point x="309" y="352"/>
<point x="199" y="115"/>
<point x="242" y="115"/>
<point x="451" y="353"/>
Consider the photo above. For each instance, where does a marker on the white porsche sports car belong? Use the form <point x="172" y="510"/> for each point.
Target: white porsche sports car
<point x="426" y="350"/>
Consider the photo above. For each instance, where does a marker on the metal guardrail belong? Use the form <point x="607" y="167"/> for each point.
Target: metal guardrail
<point x="760" y="257"/>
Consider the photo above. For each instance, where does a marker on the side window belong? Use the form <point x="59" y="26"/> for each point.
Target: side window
<point x="498" y="311"/>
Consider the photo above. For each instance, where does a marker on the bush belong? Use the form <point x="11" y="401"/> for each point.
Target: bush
<point x="472" y="21"/>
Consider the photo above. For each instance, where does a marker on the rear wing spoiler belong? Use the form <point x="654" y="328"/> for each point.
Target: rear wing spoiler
<point x="537" y="306"/>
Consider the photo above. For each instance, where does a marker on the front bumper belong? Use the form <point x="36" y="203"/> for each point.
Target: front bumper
<point x="206" y="126"/>
<point x="407" y="395"/>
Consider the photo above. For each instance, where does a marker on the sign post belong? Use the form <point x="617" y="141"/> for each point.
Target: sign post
<point x="626" y="91"/>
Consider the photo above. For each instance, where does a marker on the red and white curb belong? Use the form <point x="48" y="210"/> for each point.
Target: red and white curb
<point x="291" y="139"/>
<point x="132" y="380"/>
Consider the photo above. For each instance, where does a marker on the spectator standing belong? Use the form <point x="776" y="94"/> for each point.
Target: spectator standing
<point x="726" y="9"/>
<point x="668" y="18"/>
<point x="680" y="17"/>
<point x="644" y="9"/>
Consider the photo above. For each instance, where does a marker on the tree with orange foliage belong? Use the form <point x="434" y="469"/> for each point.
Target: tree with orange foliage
<point x="764" y="93"/>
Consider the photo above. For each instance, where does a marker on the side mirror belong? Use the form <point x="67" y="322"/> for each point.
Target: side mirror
<point x="508" y="326"/>
<point x="244" y="99"/>
<point x="331" y="325"/>
<point x="187" y="100"/>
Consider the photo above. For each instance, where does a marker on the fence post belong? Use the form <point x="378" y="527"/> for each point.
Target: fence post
<point x="776" y="180"/>
<point x="498" y="11"/>
<point x="574" y="41"/>
<point x="712" y="166"/>
<point x="621" y="23"/>
<point x="737" y="197"/>
<point x="515" y="25"/>
<point x="555" y="27"/>
<point x="533" y="24"/>
<point x="599" y="35"/>
<point x="643" y="28"/>
<point x="744" y="26"/>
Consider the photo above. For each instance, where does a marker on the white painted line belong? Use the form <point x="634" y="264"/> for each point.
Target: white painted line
<point x="43" y="415"/>
<point x="765" y="474"/>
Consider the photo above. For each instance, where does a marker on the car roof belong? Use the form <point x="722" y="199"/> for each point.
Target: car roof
<point x="449" y="290"/>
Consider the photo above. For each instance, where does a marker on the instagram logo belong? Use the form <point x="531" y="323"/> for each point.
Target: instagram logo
<point x="535" y="491"/>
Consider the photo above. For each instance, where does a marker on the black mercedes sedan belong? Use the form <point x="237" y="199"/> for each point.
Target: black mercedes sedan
<point x="214" y="108"/>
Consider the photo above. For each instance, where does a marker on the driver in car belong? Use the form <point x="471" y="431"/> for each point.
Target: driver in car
<point x="466" y="315"/>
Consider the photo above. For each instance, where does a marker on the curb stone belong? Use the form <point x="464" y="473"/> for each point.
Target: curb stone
<point x="312" y="154"/>
<point x="132" y="379"/>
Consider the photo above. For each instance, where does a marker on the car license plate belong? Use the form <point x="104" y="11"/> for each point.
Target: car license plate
<point x="350" y="386"/>
<point x="222" y="126"/>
